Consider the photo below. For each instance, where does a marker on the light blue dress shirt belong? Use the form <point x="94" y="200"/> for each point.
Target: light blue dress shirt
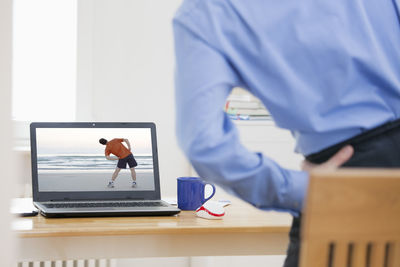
<point x="326" y="71"/>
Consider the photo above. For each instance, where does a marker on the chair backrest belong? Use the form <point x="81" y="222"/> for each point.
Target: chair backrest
<point x="352" y="219"/>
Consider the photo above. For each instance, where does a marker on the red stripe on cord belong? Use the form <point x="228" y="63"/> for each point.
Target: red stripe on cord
<point x="209" y="212"/>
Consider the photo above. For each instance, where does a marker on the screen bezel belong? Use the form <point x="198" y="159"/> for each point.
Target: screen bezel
<point x="93" y="195"/>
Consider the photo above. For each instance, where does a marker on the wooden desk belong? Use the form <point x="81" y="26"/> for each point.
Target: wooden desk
<point x="244" y="231"/>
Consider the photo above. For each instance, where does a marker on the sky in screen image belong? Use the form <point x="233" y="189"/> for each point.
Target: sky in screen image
<point x="86" y="140"/>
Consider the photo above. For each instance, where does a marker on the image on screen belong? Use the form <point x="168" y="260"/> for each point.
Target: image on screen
<point x="74" y="159"/>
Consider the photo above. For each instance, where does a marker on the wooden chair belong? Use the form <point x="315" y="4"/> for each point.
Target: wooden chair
<point x="352" y="219"/>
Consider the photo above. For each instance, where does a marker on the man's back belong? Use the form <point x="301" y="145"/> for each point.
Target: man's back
<point x="326" y="70"/>
<point x="116" y="147"/>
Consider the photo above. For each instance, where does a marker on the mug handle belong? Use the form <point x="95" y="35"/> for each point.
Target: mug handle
<point x="213" y="193"/>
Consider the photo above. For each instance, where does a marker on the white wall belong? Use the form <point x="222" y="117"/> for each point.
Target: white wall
<point x="6" y="159"/>
<point x="231" y="261"/>
<point x="126" y="70"/>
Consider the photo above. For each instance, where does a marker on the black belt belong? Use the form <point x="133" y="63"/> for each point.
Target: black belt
<point x="325" y="154"/>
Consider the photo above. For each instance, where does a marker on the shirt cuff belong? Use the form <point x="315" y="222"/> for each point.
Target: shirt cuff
<point x="298" y="190"/>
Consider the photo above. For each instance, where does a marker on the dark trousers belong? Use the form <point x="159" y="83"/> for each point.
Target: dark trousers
<point x="379" y="147"/>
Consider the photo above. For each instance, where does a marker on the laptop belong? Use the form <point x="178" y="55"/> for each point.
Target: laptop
<point x="72" y="167"/>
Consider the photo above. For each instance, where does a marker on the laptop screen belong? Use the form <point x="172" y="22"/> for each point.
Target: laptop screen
<point x="102" y="159"/>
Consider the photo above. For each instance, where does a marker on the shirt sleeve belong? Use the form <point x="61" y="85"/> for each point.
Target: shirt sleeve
<point x="204" y="79"/>
<point x="107" y="151"/>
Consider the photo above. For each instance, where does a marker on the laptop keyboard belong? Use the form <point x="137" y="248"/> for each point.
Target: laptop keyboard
<point x="106" y="204"/>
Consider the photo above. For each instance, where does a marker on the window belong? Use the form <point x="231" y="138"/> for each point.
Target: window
<point x="44" y="60"/>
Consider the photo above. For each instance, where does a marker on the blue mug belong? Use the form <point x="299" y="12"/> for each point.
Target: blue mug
<point x="191" y="193"/>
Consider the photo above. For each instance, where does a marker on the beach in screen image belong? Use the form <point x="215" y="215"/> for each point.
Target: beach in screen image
<point x="60" y="181"/>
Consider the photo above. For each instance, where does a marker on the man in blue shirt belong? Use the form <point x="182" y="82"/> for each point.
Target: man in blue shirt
<point x="328" y="71"/>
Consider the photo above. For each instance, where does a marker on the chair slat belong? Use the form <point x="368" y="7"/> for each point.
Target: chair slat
<point x="378" y="254"/>
<point x="394" y="254"/>
<point x="359" y="255"/>
<point x="317" y="253"/>
<point x="340" y="254"/>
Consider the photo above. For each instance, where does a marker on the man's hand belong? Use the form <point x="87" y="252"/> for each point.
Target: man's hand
<point x="129" y="144"/>
<point x="111" y="158"/>
<point x="337" y="160"/>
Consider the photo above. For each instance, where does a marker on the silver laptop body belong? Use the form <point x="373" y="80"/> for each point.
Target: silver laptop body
<point x="72" y="170"/>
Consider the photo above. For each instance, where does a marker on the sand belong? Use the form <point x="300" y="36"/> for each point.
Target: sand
<point x="93" y="181"/>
